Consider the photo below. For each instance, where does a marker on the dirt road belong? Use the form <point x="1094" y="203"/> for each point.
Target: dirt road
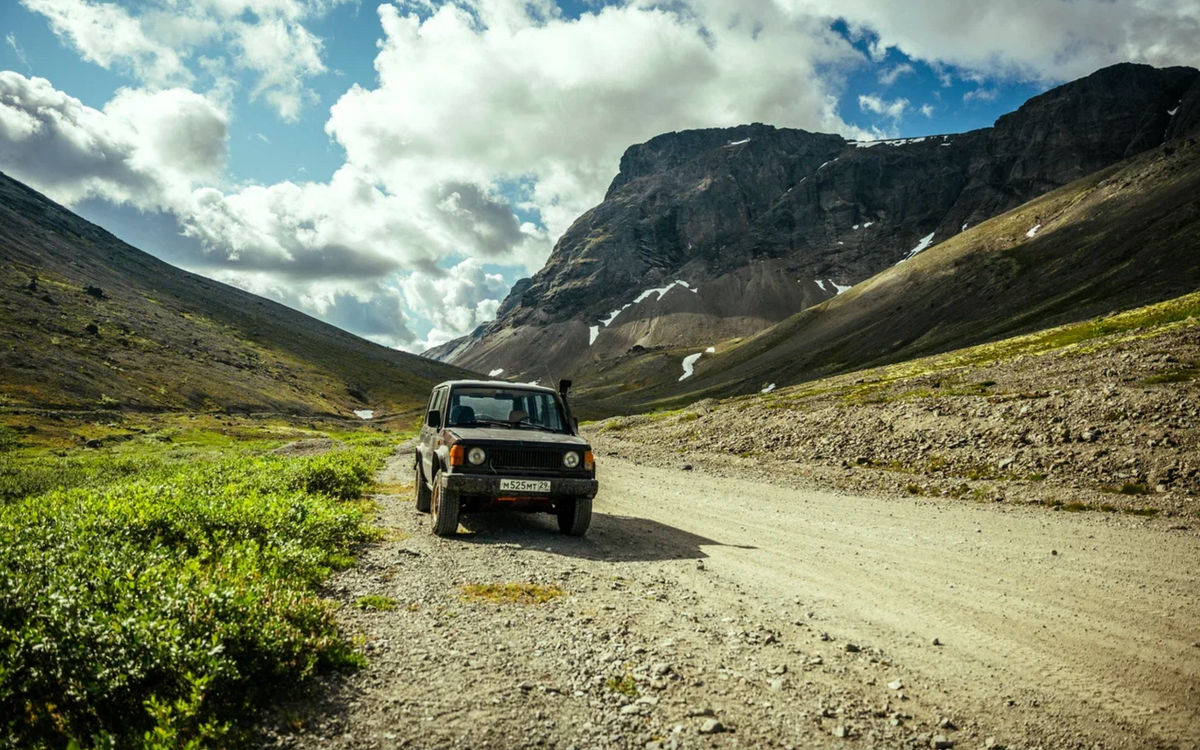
<point x="704" y="611"/>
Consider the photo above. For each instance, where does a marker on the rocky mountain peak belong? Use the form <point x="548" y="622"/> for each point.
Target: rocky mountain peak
<point x="705" y="150"/>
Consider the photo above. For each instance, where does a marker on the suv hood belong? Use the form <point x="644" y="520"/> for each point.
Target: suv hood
<point x="516" y="435"/>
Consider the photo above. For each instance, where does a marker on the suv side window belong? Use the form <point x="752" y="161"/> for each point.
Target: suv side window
<point x="435" y="402"/>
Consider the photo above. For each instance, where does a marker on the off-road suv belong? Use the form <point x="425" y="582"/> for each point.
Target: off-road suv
<point x="487" y="445"/>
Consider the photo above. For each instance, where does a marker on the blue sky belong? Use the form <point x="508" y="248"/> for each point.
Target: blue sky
<point x="378" y="164"/>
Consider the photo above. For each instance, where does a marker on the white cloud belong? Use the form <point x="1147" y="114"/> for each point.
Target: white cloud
<point x="144" y="148"/>
<point x="180" y="134"/>
<point x="1037" y="40"/>
<point x="888" y="76"/>
<point x="107" y="35"/>
<point x="927" y="110"/>
<point x="372" y="309"/>
<point x="981" y="95"/>
<point x="17" y="49"/>
<point x="165" y="42"/>
<point x="894" y="109"/>
<point x="344" y="229"/>
<point x="284" y="54"/>
<point x="456" y="300"/>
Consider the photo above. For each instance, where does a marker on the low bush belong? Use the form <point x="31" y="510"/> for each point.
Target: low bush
<point x="154" y="597"/>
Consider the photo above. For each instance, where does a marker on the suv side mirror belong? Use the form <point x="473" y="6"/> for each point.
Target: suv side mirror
<point x="434" y="419"/>
<point x="575" y="424"/>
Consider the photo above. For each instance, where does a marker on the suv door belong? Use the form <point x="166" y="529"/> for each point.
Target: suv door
<point x="428" y="435"/>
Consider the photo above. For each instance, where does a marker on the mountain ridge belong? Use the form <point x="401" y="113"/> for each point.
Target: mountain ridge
<point x="1117" y="239"/>
<point x="768" y="221"/>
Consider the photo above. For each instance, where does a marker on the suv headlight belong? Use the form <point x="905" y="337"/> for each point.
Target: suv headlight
<point x="476" y="456"/>
<point x="570" y="459"/>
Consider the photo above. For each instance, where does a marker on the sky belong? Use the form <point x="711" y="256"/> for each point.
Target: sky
<point x="393" y="168"/>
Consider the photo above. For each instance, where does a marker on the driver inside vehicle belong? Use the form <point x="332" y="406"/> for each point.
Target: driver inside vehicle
<point x="505" y="408"/>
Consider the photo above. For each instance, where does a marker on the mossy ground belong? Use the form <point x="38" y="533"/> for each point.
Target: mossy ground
<point x="510" y="593"/>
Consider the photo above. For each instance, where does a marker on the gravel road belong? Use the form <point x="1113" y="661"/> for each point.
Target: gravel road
<point x="703" y="611"/>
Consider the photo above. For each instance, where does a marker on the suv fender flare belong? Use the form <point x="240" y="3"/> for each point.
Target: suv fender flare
<point x="441" y="459"/>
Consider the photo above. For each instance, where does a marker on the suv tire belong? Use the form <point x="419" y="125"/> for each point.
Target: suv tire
<point x="424" y="495"/>
<point x="574" y="516"/>
<point x="445" y="510"/>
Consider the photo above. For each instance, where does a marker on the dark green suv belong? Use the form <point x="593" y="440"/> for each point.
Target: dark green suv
<point x="487" y="445"/>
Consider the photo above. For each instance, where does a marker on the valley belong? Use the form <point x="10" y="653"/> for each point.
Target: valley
<point x="898" y="446"/>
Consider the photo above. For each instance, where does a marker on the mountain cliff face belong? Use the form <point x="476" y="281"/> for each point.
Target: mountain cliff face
<point x="710" y="234"/>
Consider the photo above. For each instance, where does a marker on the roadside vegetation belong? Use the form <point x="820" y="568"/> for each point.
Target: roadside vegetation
<point x="158" y="591"/>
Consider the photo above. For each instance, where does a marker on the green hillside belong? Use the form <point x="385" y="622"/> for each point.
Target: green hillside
<point x="88" y="322"/>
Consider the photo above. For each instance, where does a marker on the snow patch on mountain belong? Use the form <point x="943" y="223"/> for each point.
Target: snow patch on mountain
<point x="925" y="242"/>
<point x="689" y="365"/>
<point x="657" y="292"/>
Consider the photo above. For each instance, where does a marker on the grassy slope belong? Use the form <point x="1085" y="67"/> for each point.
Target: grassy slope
<point x="165" y="339"/>
<point x="1120" y="238"/>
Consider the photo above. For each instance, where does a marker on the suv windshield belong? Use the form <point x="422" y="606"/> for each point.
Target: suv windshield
<point x="504" y="406"/>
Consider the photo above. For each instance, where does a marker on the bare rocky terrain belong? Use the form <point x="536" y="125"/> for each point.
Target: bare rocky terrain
<point x="1110" y="423"/>
<point x="709" y="611"/>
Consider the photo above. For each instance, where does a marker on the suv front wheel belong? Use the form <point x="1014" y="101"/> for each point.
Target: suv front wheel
<point x="445" y="510"/>
<point x="574" y="515"/>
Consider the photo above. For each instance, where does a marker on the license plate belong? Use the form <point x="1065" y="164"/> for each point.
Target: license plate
<point x="524" y="485"/>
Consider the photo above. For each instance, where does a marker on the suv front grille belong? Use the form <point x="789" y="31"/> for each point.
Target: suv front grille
<point x="525" y="458"/>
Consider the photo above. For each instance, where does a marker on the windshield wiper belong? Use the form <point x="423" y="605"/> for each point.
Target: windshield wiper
<point x="481" y="423"/>
<point x="523" y="423"/>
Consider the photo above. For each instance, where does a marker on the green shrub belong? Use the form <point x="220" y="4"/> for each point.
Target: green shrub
<point x="10" y="439"/>
<point x="341" y="475"/>
<point x="375" y="601"/>
<point x="154" y="599"/>
<point x="624" y="685"/>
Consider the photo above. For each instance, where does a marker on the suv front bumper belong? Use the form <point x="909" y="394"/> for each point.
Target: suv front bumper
<point x="475" y="484"/>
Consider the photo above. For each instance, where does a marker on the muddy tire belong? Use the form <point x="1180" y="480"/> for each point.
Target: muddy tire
<point x="424" y="494"/>
<point x="574" y="516"/>
<point x="445" y="510"/>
